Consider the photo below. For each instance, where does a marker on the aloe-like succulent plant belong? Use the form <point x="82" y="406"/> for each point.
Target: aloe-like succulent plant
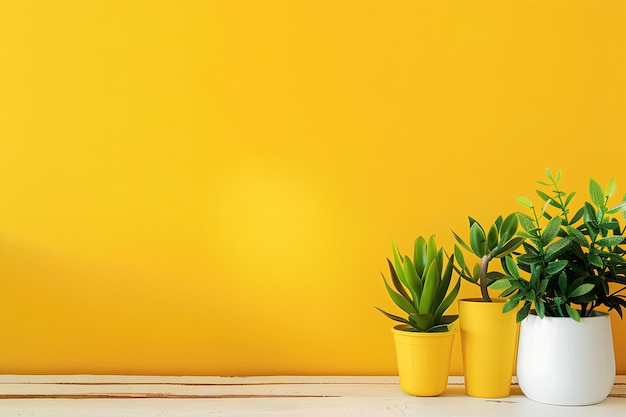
<point x="420" y="287"/>
<point x="496" y="243"/>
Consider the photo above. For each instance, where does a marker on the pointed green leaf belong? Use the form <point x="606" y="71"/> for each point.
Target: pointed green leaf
<point x="512" y="268"/>
<point x="398" y="263"/>
<point x="492" y="238"/>
<point x="572" y="312"/>
<point x="478" y="240"/>
<point x="549" y="174"/>
<point x="610" y="189"/>
<point x="555" y="267"/>
<point x="581" y="290"/>
<point x="524" y="201"/>
<point x="543" y="196"/>
<point x="596" y="193"/>
<point x="396" y="282"/>
<point x="621" y="207"/>
<point x="393" y="317"/>
<point x="510" y="246"/>
<point x="510" y="305"/>
<point x="461" y="242"/>
<point x="419" y="255"/>
<point x="577" y="235"/>
<point x="500" y="285"/>
<point x="414" y="284"/>
<point x="431" y="251"/>
<point x="523" y="312"/>
<point x="595" y="260"/>
<point x="429" y="291"/>
<point x="447" y="302"/>
<point x="476" y="273"/>
<point x="555" y="249"/>
<point x="610" y="241"/>
<point x="460" y="259"/>
<point x="551" y="230"/>
<point x="399" y="300"/>
<point x="443" y="285"/>
<point x="509" y="227"/>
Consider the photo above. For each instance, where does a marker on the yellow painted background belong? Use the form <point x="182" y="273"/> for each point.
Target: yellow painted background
<point x="212" y="187"/>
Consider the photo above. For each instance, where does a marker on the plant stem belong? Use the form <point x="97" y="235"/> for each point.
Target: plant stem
<point x="483" y="277"/>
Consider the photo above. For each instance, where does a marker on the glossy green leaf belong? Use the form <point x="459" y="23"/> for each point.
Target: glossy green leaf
<point x="398" y="263"/>
<point x="429" y="291"/>
<point x="511" y="267"/>
<point x="523" y="312"/>
<point x="419" y="255"/>
<point x="476" y="273"/>
<point x="414" y="283"/>
<point x="509" y="247"/>
<point x="500" y="285"/>
<point x="460" y="259"/>
<point x="444" y="284"/>
<point x="447" y="302"/>
<point x="461" y="242"/>
<point x="492" y="238"/>
<point x="595" y="260"/>
<point x="581" y="290"/>
<point x="510" y="305"/>
<point x="478" y="240"/>
<point x="549" y="174"/>
<point x="509" y="227"/>
<point x="394" y="317"/>
<point x="399" y="300"/>
<point x="555" y="267"/>
<point x="574" y="314"/>
<point x="431" y="251"/>
<point x="396" y="281"/>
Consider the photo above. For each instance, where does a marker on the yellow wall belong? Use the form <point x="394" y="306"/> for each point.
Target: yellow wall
<point x="212" y="187"/>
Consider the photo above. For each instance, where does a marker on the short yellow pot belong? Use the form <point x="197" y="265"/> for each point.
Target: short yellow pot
<point x="423" y="361"/>
<point x="489" y="344"/>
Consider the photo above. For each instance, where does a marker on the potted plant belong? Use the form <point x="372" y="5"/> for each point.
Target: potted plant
<point x="424" y="338"/>
<point x="488" y="337"/>
<point x="576" y="264"/>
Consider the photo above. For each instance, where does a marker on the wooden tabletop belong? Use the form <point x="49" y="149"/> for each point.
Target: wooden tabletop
<point x="102" y="396"/>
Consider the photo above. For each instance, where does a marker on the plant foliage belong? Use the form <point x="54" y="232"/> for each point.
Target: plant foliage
<point x="420" y="287"/>
<point x="496" y="242"/>
<point x="573" y="257"/>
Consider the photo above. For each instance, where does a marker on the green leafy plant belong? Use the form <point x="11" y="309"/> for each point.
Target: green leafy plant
<point x="420" y="287"/>
<point x="573" y="260"/>
<point x="499" y="241"/>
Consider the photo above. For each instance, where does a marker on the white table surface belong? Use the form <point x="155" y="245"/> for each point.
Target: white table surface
<point x="103" y="396"/>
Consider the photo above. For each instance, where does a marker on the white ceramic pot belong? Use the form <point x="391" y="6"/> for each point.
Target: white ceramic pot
<point x="564" y="362"/>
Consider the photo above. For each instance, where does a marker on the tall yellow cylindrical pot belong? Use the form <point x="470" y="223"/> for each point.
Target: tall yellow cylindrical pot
<point x="423" y="361"/>
<point x="489" y="344"/>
